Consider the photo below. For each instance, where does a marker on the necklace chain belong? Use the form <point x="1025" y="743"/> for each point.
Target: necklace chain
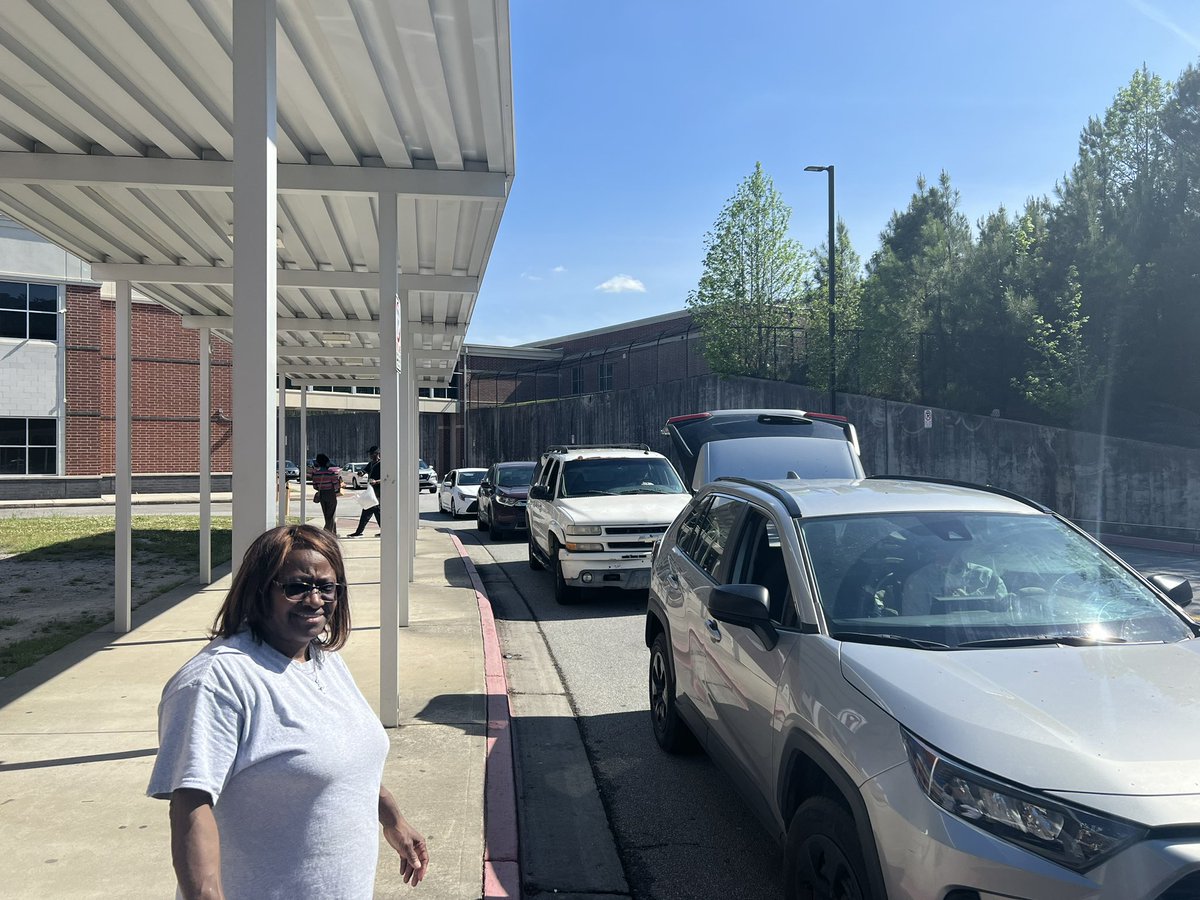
<point x="314" y="674"/>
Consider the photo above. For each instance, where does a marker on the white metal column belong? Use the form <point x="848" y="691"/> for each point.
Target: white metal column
<point x="205" y="456"/>
<point x="414" y="442"/>
<point x="394" y="565"/>
<point x="407" y="485"/>
<point x="302" y="463"/>
<point x="123" y="480"/>
<point x="254" y="268"/>
<point x="281" y="451"/>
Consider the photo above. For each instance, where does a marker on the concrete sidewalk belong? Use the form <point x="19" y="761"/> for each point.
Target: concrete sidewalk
<point x="78" y="734"/>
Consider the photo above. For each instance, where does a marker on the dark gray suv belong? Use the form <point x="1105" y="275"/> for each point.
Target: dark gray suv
<point x="929" y="691"/>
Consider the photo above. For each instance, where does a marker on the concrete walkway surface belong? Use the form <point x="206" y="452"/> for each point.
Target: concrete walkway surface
<point x="78" y="734"/>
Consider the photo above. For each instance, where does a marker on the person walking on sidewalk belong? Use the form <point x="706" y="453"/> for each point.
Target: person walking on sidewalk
<point x="327" y="482"/>
<point x="373" y="483"/>
<point x="270" y="756"/>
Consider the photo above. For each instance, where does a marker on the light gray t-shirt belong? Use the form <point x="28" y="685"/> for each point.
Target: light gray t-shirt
<point x="292" y="756"/>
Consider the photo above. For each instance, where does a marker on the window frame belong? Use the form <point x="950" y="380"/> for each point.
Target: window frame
<point x="29" y="312"/>
<point x="26" y="447"/>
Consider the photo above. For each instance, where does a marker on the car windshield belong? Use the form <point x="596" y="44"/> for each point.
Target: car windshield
<point x="629" y="475"/>
<point x="470" y="477"/>
<point x="514" y="476"/>
<point x="975" y="580"/>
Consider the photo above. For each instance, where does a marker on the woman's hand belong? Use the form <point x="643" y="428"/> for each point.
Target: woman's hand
<point x="404" y="839"/>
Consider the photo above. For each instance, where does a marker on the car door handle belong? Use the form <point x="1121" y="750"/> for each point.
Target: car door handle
<point x="714" y="630"/>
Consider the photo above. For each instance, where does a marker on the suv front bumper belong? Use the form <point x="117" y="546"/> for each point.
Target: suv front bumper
<point x="629" y="570"/>
<point x="926" y="852"/>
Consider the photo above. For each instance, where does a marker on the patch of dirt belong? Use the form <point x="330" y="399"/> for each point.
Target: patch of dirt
<point x="39" y="594"/>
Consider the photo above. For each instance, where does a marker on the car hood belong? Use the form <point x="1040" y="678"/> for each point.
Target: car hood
<point x="1104" y="720"/>
<point x="468" y="490"/>
<point x="621" y="509"/>
<point x="516" y="493"/>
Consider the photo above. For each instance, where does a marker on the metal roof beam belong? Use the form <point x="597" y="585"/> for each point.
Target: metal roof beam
<point x="292" y="352"/>
<point x="290" y="323"/>
<point x="321" y="370"/>
<point x="300" y="278"/>
<point x="217" y="175"/>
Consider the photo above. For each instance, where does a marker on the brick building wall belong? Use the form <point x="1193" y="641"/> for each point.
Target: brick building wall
<point x="165" y="369"/>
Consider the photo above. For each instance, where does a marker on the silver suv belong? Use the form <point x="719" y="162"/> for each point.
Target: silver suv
<point x="931" y="691"/>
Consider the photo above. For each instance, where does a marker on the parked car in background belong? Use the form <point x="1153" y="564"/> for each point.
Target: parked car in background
<point x="458" y="494"/>
<point x="355" y="474"/>
<point x="291" y="471"/>
<point x="595" y="512"/>
<point x="764" y="443"/>
<point x="427" y="477"/>
<point x="928" y="690"/>
<point x="502" y="497"/>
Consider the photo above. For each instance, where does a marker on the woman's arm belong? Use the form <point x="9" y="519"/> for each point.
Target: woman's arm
<point x="195" y="845"/>
<point x="405" y="840"/>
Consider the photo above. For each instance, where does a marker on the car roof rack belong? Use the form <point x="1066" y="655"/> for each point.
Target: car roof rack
<point x="566" y="448"/>
<point x="928" y="479"/>
<point x="788" y="501"/>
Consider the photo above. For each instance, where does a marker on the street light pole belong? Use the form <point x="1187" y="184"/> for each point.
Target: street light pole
<point x="832" y="289"/>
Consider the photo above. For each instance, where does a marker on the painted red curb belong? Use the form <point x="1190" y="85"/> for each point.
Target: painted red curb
<point x="501" y="846"/>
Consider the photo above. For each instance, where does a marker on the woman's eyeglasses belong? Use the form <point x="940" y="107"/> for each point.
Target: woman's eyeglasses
<point x="298" y="590"/>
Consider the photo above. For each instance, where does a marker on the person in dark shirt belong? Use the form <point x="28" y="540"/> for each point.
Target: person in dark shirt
<point x="373" y="481"/>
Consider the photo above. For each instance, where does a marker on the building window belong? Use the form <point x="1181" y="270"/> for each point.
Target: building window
<point x="606" y="376"/>
<point x="577" y="380"/>
<point x="28" y="311"/>
<point x="28" y="446"/>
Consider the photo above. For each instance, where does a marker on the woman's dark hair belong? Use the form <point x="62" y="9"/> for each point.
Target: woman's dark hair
<point x="322" y="460"/>
<point x="248" y="602"/>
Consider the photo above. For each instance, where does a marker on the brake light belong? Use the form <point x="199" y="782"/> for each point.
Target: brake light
<point x="675" y="420"/>
<point x="828" y="417"/>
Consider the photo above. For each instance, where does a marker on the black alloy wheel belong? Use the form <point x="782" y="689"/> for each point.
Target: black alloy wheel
<point x="822" y="857"/>
<point x="670" y="731"/>
<point x="494" y="532"/>
<point x="480" y="525"/>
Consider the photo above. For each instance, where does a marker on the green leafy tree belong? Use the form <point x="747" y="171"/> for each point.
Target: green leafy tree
<point x="1062" y="379"/>
<point x="848" y="319"/>
<point x="750" y="293"/>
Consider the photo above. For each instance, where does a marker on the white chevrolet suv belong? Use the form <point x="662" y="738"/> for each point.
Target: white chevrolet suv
<point x="595" y="511"/>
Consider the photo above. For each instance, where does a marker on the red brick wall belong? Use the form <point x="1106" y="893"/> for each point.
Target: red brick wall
<point x="166" y="390"/>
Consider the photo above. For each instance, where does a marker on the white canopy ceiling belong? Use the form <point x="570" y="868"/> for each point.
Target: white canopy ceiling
<point x="116" y="141"/>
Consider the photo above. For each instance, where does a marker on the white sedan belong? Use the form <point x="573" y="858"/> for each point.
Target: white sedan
<point x="458" y="494"/>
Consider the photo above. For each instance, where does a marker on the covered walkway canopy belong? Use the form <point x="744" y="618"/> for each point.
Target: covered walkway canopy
<point x="271" y="169"/>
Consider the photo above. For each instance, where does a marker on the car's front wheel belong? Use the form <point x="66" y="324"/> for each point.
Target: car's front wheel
<point x="670" y="731"/>
<point x="823" y="859"/>
<point x="480" y="525"/>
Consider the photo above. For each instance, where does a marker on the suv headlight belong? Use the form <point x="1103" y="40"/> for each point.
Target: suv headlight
<point x="584" y="529"/>
<point x="1068" y="835"/>
<point x="505" y="500"/>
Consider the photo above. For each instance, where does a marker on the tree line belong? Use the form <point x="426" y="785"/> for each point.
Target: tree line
<point x="1082" y="309"/>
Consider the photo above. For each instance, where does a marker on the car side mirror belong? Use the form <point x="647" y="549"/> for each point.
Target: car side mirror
<point x="1178" y="588"/>
<point x="539" y="492"/>
<point x="484" y="484"/>
<point x="745" y="605"/>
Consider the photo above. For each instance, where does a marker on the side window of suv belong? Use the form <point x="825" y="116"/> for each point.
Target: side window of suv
<point x="691" y="527"/>
<point x="713" y="532"/>
<point x="758" y="559"/>
<point x="552" y="476"/>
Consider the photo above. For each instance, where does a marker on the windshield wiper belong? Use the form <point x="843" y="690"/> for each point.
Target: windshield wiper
<point x="894" y="640"/>
<point x="1034" y="640"/>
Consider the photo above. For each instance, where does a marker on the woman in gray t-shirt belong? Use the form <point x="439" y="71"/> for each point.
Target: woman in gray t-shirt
<point x="270" y="756"/>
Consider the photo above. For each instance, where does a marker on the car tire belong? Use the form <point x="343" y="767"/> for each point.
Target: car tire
<point x="670" y="731"/>
<point x="480" y="525"/>
<point x="433" y="490"/>
<point x="493" y="532"/>
<point x="564" y="594"/>
<point x="534" y="562"/>
<point x="823" y="859"/>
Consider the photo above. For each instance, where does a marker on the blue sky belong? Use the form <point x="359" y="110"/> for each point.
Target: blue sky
<point x="637" y="119"/>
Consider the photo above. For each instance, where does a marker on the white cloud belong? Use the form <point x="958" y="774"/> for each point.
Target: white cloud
<point x="621" y="284"/>
<point x="528" y="277"/>
<point x="1160" y="17"/>
<point x="558" y="270"/>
